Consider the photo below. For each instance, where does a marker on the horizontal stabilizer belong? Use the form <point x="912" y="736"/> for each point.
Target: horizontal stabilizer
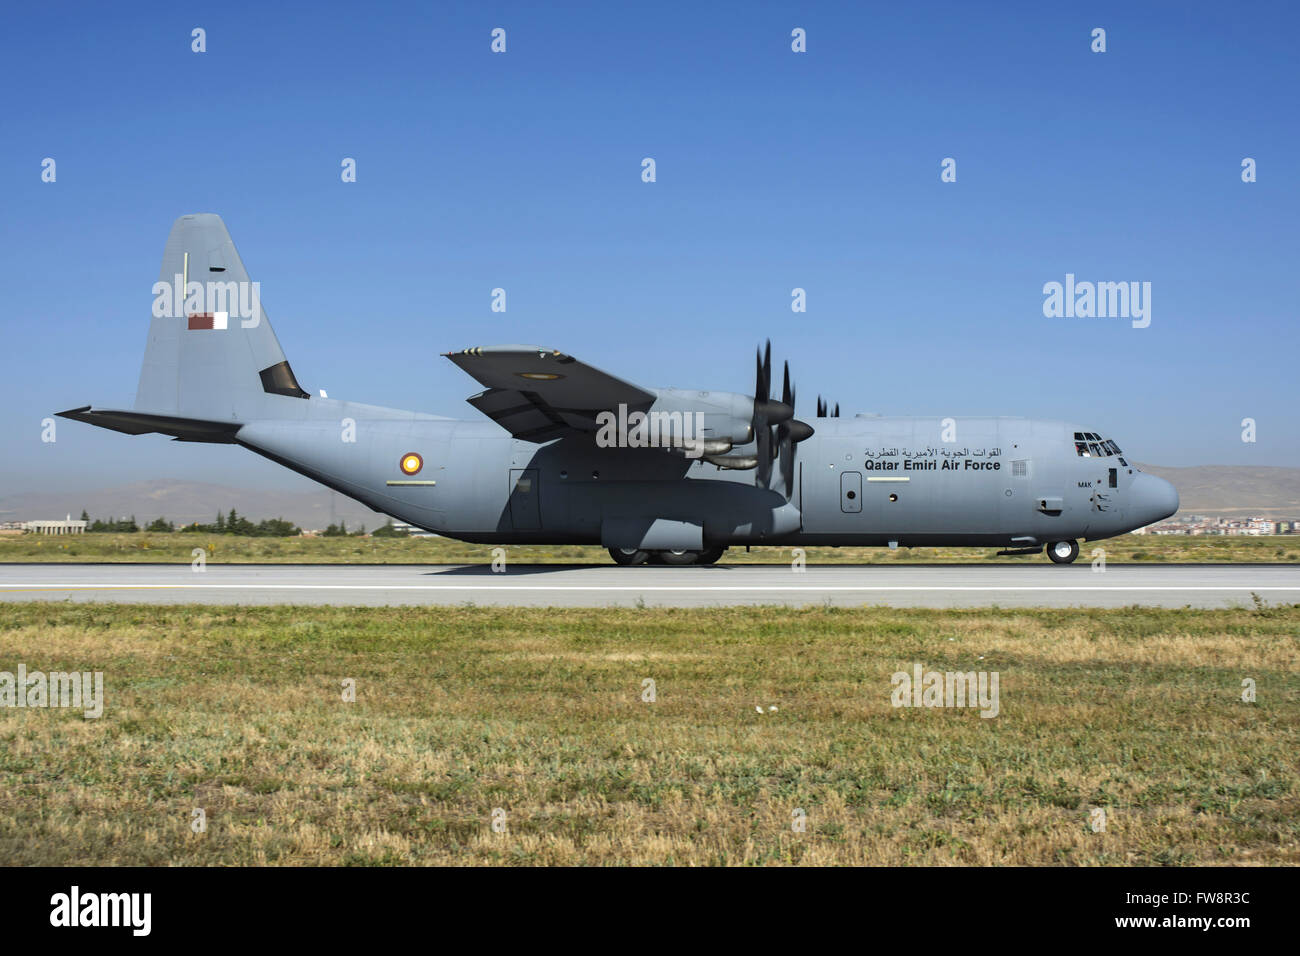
<point x="143" y="423"/>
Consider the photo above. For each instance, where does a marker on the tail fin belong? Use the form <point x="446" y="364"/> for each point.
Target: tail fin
<point x="212" y="354"/>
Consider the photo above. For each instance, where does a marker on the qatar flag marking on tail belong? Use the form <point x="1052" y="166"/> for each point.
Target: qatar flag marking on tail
<point x="208" y="320"/>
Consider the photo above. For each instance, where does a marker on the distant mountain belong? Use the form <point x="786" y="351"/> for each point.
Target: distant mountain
<point x="1205" y="489"/>
<point x="185" y="502"/>
<point x="1234" y="489"/>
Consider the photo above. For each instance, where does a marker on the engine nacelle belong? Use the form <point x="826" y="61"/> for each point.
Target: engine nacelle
<point x="694" y="423"/>
<point x="712" y="422"/>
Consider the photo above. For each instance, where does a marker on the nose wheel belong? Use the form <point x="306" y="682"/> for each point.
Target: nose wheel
<point x="1063" y="552"/>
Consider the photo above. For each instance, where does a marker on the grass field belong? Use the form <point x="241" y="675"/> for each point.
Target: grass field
<point x="539" y="712"/>
<point x="179" y="547"/>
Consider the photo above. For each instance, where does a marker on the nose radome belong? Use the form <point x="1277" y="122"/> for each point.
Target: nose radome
<point x="1154" y="498"/>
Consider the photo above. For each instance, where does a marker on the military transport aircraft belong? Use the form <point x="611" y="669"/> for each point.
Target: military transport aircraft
<point x="568" y="454"/>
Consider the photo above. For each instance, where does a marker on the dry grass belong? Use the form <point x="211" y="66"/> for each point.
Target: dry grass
<point x="539" y="712"/>
<point x="178" y="547"/>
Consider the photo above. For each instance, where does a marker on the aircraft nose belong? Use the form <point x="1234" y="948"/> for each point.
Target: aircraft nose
<point x="1154" y="499"/>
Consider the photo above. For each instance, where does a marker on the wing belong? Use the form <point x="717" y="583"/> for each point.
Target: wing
<point x="539" y="394"/>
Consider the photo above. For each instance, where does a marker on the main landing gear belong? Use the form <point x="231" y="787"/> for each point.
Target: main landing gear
<point x="630" y="556"/>
<point x="1063" y="552"/>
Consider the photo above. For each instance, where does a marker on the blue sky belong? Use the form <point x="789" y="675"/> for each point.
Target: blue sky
<point x="775" y="170"/>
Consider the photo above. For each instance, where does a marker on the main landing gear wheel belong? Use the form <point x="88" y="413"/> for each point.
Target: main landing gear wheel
<point x="676" y="558"/>
<point x="628" y="556"/>
<point x="684" y="558"/>
<point x="1063" y="552"/>
<point x="680" y="558"/>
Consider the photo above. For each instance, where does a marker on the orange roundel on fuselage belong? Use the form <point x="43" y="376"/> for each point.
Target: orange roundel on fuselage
<point x="411" y="463"/>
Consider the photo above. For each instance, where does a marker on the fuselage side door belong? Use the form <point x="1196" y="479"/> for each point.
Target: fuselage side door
<point x="525" y="512"/>
<point x="850" y="492"/>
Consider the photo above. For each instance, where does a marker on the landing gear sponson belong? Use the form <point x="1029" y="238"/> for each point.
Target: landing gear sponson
<point x="1061" y="552"/>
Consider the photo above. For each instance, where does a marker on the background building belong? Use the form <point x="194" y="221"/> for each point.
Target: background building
<point x="67" y="526"/>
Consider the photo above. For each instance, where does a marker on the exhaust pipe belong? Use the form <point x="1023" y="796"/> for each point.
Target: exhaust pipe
<point x="732" y="462"/>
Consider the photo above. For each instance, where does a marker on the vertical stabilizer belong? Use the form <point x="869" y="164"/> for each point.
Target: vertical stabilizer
<point x="211" y="354"/>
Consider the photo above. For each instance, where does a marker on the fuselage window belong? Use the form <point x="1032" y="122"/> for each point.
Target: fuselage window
<point x="1114" y="477"/>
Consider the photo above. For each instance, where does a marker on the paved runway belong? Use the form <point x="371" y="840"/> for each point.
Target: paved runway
<point x="597" y="586"/>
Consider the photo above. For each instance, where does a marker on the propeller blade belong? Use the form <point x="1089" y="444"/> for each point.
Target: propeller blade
<point x="766" y="412"/>
<point x="773" y="411"/>
<point x="763" y="453"/>
<point x="789" y="433"/>
<point x="775" y="430"/>
<point x="767" y="370"/>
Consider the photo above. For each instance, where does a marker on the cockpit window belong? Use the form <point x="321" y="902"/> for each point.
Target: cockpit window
<point x="1092" y="445"/>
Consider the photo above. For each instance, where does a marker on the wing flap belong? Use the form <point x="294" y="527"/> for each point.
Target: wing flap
<point x="520" y="415"/>
<point x="539" y="394"/>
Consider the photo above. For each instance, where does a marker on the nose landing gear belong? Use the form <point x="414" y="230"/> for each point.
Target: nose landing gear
<point x="1063" y="552"/>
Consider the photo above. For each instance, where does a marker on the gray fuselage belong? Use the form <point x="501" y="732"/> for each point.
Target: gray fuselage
<point x="1010" y="482"/>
